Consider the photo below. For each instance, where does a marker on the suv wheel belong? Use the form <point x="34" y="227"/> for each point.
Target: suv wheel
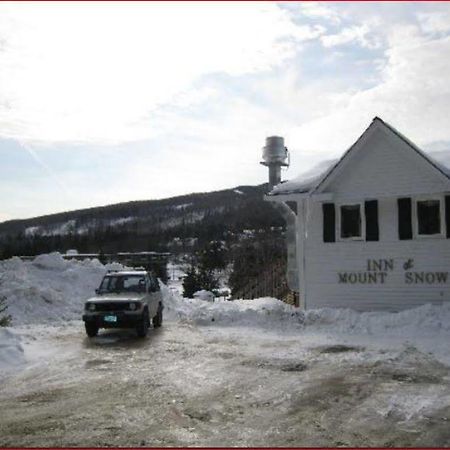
<point x="157" y="320"/>
<point x="91" y="329"/>
<point x="142" y="327"/>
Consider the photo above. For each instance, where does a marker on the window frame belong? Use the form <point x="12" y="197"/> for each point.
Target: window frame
<point x="442" y="220"/>
<point x="339" y="222"/>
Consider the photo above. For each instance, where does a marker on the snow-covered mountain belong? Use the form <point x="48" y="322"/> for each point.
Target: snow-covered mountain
<point x="141" y="225"/>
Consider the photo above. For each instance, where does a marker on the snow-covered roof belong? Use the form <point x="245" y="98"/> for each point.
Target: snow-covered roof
<point x="310" y="181"/>
<point x="307" y="181"/>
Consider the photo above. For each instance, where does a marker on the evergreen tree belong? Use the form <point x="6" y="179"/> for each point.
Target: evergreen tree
<point x="207" y="279"/>
<point x="213" y="256"/>
<point x="191" y="282"/>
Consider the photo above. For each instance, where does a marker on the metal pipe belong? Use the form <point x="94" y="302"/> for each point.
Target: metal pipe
<point x="275" y="155"/>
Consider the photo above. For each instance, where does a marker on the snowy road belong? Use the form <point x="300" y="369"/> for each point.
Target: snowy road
<point x="188" y="385"/>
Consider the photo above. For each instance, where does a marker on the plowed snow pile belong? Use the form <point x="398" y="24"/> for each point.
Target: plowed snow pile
<point x="262" y="311"/>
<point x="425" y="320"/>
<point x="49" y="288"/>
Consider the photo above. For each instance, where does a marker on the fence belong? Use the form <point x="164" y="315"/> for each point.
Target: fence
<point x="270" y="283"/>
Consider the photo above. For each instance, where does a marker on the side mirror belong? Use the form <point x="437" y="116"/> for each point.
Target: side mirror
<point x="97" y="291"/>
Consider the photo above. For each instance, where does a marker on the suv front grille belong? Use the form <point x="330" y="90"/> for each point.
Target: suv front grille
<point x="112" y="306"/>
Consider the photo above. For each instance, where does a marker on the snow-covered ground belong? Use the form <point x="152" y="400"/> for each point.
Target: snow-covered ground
<point x="52" y="290"/>
<point x="11" y="350"/>
<point x="291" y="374"/>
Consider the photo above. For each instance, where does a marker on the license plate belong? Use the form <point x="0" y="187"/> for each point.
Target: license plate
<point x="110" y="318"/>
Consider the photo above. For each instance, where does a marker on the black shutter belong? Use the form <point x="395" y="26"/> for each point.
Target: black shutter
<point x="329" y="222"/>
<point x="404" y="219"/>
<point x="447" y="214"/>
<point x="371" y="211"/>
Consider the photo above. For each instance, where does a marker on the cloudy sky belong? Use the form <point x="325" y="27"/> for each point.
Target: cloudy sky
<point x="109" y="102"/>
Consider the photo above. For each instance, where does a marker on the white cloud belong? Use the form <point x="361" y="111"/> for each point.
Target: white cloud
<point x="356" y="33"/>
<point x="414" y="96"/>
<point x="319" y="10"/>
<point x="77" y="71"/>
<point x="435" y="22"/>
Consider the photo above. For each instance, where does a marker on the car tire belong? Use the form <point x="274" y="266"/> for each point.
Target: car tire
<point x="91" y="329"/>
<point x="158" y="319"/>
<point x="142" y="327"/>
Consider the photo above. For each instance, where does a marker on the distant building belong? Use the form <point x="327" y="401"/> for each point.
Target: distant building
<point x="373" y="228"/>
<point x="206" y="296"/>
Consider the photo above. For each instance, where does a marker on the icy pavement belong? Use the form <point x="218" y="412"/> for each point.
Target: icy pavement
<point x="242" y="373"/>
<point x="189" y="385"/>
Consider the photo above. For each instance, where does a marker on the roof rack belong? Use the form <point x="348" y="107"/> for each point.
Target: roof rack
<point x="132" y="269"/>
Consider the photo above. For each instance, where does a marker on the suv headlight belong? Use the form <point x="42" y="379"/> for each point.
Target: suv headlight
<point x="90" y="306"/>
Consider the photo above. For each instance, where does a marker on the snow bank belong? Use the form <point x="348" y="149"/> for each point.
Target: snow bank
<point x="11" y="351"/>
<point x="426" y="327"/>
<point x="260" y="312"/>
<point x="425" y="320"/>
<point x="49" y="288"/>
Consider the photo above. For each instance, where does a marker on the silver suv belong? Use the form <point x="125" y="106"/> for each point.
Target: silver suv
<point x="125" y="299"/>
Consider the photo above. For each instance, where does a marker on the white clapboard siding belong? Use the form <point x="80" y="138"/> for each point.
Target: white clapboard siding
<point x="323" y="262"/>
<point x="386" y="166"/>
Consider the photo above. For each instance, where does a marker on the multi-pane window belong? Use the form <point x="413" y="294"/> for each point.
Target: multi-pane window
<point x="357" y="221"/>
<point x="351" y="223"/>
<point x="423" y="217"/>
<point x="428" y="217"/>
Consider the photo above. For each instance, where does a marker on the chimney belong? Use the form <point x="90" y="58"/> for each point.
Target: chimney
<point x="275" y="155"/>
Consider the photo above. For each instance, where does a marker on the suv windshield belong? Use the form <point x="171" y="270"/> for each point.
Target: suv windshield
<point x="123" y="283"/>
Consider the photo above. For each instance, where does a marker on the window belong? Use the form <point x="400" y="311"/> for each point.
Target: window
<point x="428" y="217"/>
<point x="424" y="217"/>
<point x="120" y="283"/>
<point x="351" y="222"/>
<point x="354" y="222"/>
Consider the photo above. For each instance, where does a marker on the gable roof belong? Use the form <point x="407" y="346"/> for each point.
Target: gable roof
<point x="319" y="176"/>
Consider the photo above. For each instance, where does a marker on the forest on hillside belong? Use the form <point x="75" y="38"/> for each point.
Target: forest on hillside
<point x="179" y="224"/>
<point x="246" y="229"/>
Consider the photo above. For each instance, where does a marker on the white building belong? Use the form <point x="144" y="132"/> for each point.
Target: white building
<point x="373" y="229"/>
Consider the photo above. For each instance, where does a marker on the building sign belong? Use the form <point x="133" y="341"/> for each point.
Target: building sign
<point x="377" y="271"/>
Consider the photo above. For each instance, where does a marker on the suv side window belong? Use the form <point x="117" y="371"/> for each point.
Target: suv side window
<point x="148" y="284"/>
<point x="154" y="285"/>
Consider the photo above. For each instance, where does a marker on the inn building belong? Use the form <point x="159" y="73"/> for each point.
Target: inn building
<point x="370" y="231"/>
